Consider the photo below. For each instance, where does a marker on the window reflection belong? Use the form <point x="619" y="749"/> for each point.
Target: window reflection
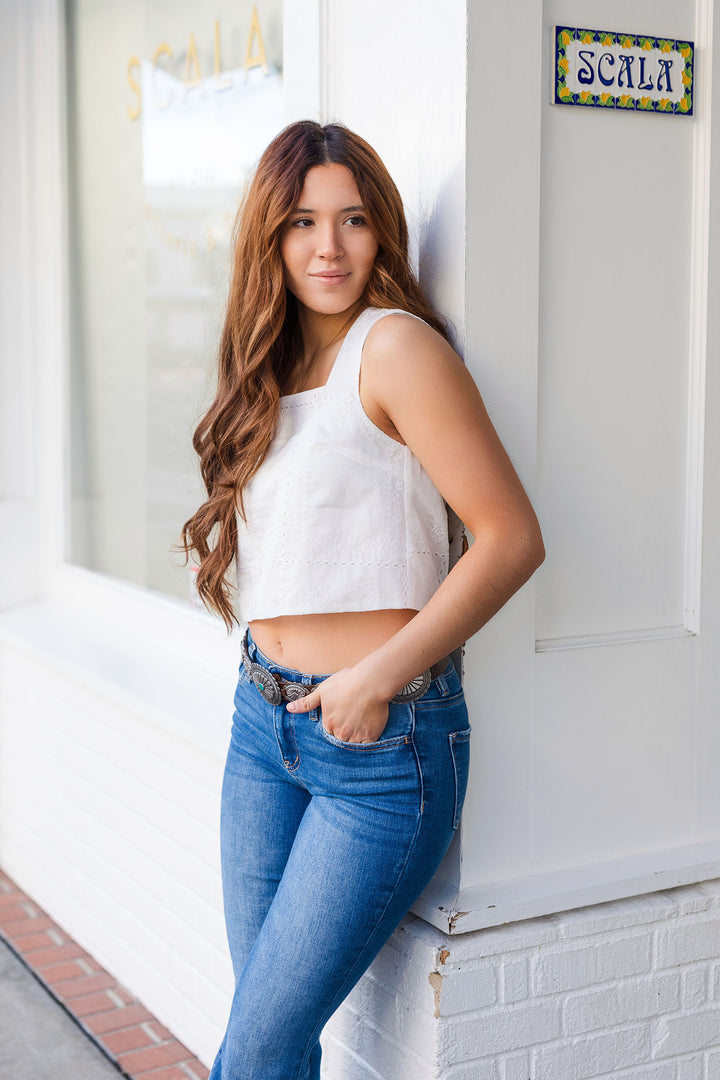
<point x="169" y="106"/>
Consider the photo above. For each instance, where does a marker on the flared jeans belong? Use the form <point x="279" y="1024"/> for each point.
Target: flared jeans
<point x="325" y="846"/>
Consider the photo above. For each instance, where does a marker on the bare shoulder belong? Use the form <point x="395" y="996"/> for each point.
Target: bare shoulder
<point x="420" y="392"/>
<point x="403" y="355"/>
<point x="400" y="336"/>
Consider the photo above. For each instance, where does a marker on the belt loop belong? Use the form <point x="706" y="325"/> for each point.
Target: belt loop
<point x="307" y="680"/>
<point x="442" y="685"/>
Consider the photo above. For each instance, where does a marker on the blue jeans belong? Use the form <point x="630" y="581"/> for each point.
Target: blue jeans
<point x="325" y="846"/>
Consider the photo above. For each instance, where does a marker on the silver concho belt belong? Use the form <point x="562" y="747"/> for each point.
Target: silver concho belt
<point x="275" y="689"/>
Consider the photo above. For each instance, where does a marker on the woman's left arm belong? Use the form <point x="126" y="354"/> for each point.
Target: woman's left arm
<point x="419" y="385"/>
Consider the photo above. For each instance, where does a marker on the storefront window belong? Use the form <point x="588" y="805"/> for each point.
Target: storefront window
<point x="169" y="107"/>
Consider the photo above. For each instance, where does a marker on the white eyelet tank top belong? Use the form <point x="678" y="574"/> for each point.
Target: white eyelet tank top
<point x="340" y="516"/>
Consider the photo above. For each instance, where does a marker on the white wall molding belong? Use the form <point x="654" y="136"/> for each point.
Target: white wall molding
<point x="621" y="637"/>
<point x="697" y="344"/>
<point x="536" y="895"/>
<point x="502" y="298"/>
<point x="327" y="61"/>
<point x="34" y="325"/>
<point x="303" y="49"/>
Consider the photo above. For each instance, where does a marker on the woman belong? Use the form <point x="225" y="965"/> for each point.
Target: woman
<point x="343" y="423"/>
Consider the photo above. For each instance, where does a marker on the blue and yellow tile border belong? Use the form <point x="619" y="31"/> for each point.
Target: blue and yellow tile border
<point x="564" y="94"/>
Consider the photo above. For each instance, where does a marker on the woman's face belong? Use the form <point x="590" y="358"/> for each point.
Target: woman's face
<point x="328" y="249"/>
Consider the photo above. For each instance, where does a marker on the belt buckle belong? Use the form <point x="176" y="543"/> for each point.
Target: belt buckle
<point x="266" y="683"/>
<point x="414" y="689"/>
<point x="269" y="686"/>
<point x="292" y="691"/>
<point x="263" y="680"/>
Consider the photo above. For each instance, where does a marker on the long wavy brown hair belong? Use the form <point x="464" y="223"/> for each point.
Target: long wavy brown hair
<point x="261" y="339"/>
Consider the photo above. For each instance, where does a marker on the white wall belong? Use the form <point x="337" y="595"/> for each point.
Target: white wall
<point x="594" y="693"/>
<point x="383" y="75"/>
<point x="109" y="818"/>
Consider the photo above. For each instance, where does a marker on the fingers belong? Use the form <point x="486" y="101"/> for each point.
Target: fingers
<point x="305" y="704"/>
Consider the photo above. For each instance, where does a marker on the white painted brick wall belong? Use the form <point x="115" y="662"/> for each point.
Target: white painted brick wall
<point x="628" y="989"/>
<point x="110" y="822"/>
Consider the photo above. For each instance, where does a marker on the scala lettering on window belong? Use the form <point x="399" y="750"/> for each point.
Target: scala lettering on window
<point x="192" y="79"/>
<point x="609" y="70"/>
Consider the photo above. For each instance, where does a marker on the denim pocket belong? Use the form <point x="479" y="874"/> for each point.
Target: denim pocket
<point x="459" y="742"/>
<point x="397" y="732"/>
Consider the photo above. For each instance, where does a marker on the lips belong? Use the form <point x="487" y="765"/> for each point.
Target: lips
<point x="330" y="277"/>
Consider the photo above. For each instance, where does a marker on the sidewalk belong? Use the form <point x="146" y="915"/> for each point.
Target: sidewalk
<point x="62" y="1017"/>
<point x="38" y="1039"/>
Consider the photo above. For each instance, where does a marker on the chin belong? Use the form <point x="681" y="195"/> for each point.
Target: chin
<point x="330" y="305"/>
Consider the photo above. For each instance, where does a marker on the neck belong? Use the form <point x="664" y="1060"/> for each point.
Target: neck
<point x="318" y="330"/>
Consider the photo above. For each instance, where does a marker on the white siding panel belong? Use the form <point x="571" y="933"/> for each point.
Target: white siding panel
<point x="615" y="277"/>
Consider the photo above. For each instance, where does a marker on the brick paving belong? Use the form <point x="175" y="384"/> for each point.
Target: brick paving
<point x="109" y="1014"/>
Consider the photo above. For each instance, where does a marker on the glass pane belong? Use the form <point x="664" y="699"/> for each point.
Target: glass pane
<point x="169" y="105"/>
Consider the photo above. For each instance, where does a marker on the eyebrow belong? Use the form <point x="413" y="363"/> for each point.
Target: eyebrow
<point x="345" y="210"/>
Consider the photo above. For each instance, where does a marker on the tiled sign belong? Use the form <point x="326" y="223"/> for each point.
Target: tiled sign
<point x="610" y="70"/>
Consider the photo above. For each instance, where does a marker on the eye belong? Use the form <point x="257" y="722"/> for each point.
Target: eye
<point x="357" y="220"/>
<point x="302" y="223"/>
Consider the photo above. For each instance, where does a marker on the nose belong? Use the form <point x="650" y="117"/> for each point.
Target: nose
<point x="328" y="242"/>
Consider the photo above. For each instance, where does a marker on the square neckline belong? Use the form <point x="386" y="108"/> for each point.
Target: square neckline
<point x="290" y="398"/>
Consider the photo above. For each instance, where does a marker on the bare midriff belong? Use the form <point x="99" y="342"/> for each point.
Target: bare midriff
<point x="322" y="644"/>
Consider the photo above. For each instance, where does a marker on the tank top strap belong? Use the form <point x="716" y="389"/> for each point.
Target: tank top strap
<point x="345" y="372"/>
